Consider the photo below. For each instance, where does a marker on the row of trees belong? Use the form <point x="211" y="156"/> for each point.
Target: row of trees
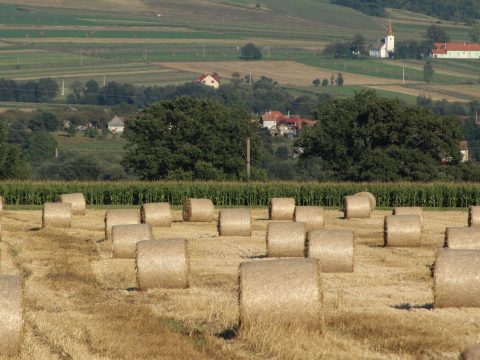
<point x="43" y="90"/>
<point x="258" y="96"/>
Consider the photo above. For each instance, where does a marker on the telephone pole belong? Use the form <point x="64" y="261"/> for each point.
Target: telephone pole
<point x="248" y="158"/>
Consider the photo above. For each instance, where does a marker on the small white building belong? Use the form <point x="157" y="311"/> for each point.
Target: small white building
<point x="464" y="150"/>
<point x="116" y="125"/>
<point x="455" y="51"/>
<point x="212" y="80"/>
<point x="384" y="48"/>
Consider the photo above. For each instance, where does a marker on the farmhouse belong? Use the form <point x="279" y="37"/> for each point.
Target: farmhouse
<point x="116" y="125"/>
<point x="212" y="80"/>
<point x="384" y="48"/>
<point x="280" y="124"/>
<point x="455" y="51"/>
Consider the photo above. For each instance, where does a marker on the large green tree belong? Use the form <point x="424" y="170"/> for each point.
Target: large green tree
<point x="370" y="138"/>
<point x="12" y="164"/>
<point x="189" y="139"/>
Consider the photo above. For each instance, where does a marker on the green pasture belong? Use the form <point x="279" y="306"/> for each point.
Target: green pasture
<point x="376" y="68"/>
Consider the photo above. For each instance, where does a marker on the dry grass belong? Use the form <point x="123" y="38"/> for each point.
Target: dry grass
<point x="77" y="305"/>
<point x="435" y="92"/>
<point x="285" y="72"/>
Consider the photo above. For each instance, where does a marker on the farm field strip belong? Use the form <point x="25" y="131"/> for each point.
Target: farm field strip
<point x="76" y="302"/>
<point x="435" y="94"/>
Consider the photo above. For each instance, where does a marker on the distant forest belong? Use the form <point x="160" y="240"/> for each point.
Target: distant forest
<point x="456" y="10"/>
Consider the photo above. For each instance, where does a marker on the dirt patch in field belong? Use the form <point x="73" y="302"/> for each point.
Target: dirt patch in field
<point x="284" y="72"/>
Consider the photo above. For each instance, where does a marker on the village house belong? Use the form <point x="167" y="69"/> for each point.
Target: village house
<point x="116" y="125"/>
<point x="385" y="47"/>
<point x="464" y="150"/>
<point x="280" y="124"/>
<point x="453" y="50"/>
<point x="212" y="80"/>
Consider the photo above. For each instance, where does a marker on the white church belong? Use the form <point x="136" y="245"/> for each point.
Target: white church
<point x="384" y="48"/>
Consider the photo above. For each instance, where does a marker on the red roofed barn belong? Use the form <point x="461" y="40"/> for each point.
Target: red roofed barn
<point x="456" y="51"/>
<point x="212" y="80"/>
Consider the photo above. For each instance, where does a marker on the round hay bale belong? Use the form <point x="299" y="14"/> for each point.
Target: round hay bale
<point x="370" y="196"/>
<point x="125" y="238"/>
<point x="335" y="249"/>
<point x="474" y="216"/>
<point x="162" y="264"/>
<point x="286" y="291"/>
<point x="456" y="278"/>
<point x="1" y="203"/>
<point x="462" y="238"/>
<point x="235" y="222"/>
<point x="357" y="207"/>
<point x="286" y="239"/>
<point x="57" y="215"/>
<point x="157" y="214"/>
<point x="402" y="231"/>
<point x="409" y="210"/>
<point x="198" y="210"/>
<point x="77" y="200"/>
<point x="471" y="353"/>
<point x="281" y="209"/>
<point x="11" y="315"/>
<point x="312" y="216"/>
<point x="120" y="217"/>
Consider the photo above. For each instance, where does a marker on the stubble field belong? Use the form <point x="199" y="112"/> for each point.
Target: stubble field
<point x="81" y="304"/>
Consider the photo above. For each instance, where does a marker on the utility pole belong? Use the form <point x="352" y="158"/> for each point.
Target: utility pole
<point x="250" y="80"/>
<point x="204" y="51"/>
<point x="145" y="55"/>
<point x="63" y="87"/>
<point x="56" y="153"/>
<point x="104" y="80"/>
<point x="248" y="158"/>
<point x="81" y="58"/>
<point x="403" y="74"/>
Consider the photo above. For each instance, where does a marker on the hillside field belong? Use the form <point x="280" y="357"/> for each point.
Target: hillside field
<point x="138" y="41"/>
<point x="79" y="303"/>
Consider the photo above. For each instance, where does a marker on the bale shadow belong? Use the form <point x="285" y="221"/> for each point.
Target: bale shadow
<point x="255" y="257"/>
<point x="35" y="229"/>
<point x="409" y="307"/>
<point x="228" y="334"/>
<point x="132" y="289"/>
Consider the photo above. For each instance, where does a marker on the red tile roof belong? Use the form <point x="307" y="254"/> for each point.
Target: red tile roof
<point x="203" y="76"/>
<point x="443" y="48"/>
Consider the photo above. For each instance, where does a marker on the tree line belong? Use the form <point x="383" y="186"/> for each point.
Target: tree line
<point x="35" y="91"/>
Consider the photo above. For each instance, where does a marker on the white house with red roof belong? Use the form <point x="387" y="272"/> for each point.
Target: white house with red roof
<point x="212" y="80"/>
<point x="280" y="124"/>
<point x="454" y="50"/>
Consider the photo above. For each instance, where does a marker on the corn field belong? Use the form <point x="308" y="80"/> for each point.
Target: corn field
<point x="243" y="193"/>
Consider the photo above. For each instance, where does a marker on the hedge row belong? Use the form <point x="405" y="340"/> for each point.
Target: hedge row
<point x="242" y="193"/>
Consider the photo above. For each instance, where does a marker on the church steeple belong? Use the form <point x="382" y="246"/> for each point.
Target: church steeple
<point x="390" y="29"/>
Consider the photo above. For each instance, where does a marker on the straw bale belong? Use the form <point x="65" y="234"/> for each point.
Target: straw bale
<point x="284" y="291"/>
<point x="335" y="249"/>
<point x="77" y="200"/>
<point x="57" y="215"/>
<point x="120" y="217"/>
<point x="125" y="238"/>
<point x="371" y="197"/>
<point x="471" y="353"/>
<point x="11" y="315"/>
<point x="474" y="216"/>
<point x="198" y="210"/>
<point x="357" y="207"/>
<point x="162" y="264"/>
<point x="456" y="279"/>
<point x="285" y="239"/>
<point x="462" y="238"/>
<point x="157" y="214"/>
<point x="402" y="230"/>
<point x="235" y="222"/>
<point x="312" y="216"/>
<point x="281" y="208"/>
<point x="409" y="210"/>
<point x="115" y="273"/>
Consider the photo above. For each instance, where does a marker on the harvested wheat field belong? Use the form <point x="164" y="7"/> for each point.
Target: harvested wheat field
<point x="285" y="72"/>
<point x="81" y="304"/>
